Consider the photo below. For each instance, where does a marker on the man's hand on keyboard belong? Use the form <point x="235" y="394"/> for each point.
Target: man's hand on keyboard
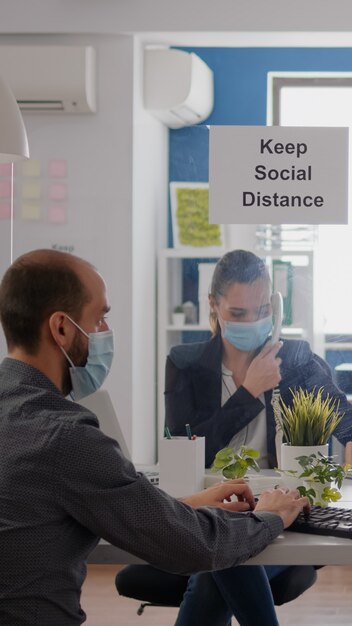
<point x="219" y="495"/>
<point x="285" y="503"/>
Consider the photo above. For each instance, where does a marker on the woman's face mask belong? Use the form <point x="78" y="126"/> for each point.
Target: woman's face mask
<point x="245" y="315"/>
<point x="247" y="336"/>
<point x="86" y="380"/>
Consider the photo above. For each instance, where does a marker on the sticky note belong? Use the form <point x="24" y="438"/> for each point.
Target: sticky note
<point x="5" y="169"/>
<point x="30" y="211"/>
<point x="57" y="214"/>
<point x="5" y="189"/>
<point x="5" y="210"/>
<point x="57" y="191"/>
<point x="57" y="168"/>
<point x="31" y="190"/>
<point x="32" y="167"/>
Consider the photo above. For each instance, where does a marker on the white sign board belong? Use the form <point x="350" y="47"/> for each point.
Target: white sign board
<point x="278" y="175"/>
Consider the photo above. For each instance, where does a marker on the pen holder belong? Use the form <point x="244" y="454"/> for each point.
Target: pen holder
<point x="181" y="465"/>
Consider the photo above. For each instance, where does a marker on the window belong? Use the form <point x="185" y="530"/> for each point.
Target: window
<point x="322" y="99"/>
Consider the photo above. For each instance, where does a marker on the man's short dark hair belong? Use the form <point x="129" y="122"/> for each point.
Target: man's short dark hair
<point x="36" y="285"/>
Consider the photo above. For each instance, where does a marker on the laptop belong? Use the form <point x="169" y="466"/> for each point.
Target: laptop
<point x="101" y="405"/>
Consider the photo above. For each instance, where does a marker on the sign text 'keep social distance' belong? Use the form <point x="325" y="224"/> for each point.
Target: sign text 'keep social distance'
<point x="278" y="175"/>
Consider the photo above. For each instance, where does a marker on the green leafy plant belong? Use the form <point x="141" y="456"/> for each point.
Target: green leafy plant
<point x="319" y="470"/>
<point x="235" y="464"/>
<point x="178" y="309"/>
<point x="311" y="419"/>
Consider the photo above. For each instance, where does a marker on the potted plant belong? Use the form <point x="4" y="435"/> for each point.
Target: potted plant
<point x="306" y="426"/>
<point x="178" y="316"/>
<point x="236" y="464"/>
<point x="320" y="478"/>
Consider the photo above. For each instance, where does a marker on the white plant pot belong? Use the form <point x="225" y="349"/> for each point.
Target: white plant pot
<point x="178" y="319"/>
<point x="289" y="461"/>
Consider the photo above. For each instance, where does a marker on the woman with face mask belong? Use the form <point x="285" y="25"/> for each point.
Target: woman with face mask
<point x="223" y="389"/>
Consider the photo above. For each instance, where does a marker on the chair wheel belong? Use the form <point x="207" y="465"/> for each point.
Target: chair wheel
<point x="140" y="609"/>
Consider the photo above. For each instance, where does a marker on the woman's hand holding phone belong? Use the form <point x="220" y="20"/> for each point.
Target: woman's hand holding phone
<point x="264" y="371"/>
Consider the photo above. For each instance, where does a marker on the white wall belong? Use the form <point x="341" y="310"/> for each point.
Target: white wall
<point x="150" y="196"/>
<point x="118" y="158"/>
<point x="131" y="16"/>
<point x="116" y="215"/>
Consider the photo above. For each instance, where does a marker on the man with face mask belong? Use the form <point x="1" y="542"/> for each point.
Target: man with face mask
<point x="64" y="484"/>
<point x="87" y="379"/>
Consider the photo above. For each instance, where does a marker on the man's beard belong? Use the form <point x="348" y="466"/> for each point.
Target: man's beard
<point x="78" y="354"/>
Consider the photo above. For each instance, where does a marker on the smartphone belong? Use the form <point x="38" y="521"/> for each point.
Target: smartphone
<point x="278" y="308"/>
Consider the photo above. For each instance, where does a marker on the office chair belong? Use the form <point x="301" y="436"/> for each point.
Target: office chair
<point x="156" y="588"/>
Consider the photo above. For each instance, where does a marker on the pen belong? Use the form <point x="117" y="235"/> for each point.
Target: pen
<point x="167" y="433"/>
<point x="188" y="431"/>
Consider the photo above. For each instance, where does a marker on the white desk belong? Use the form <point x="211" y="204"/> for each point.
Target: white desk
<point x="304" y="549"/>
<point x="294" y="548"/>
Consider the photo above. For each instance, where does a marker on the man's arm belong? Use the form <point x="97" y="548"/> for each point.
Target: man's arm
<point x="284" y="502"/>
<point x="101" y="490"/>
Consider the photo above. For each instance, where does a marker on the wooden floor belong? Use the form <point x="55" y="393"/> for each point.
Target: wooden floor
<point x="327" y="603"/>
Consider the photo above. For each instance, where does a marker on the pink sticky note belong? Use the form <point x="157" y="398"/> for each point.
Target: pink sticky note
<point x="57" y="214"/>
<point x="5" y="188"/>
<point x="57" y="168"/>
<point x="5" y="169"/>
<point x="57" y="191"/>
<point x="5" y="210"/>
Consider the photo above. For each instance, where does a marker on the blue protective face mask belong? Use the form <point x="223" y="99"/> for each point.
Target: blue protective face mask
<point x="86" y="380"/>
<point x="247" y="336"/>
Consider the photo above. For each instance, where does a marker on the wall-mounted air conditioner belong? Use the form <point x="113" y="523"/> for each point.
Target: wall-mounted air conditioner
<point x="178" y="87"/>
<point x="51" y="78"/>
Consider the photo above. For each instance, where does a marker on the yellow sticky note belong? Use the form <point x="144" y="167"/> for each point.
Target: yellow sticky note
<point x="32" y="190"/>
<point x="30" y="211"/>
<point x="31" y="167"/>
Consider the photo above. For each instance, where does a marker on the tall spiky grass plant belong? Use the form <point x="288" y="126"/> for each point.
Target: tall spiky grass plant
<point x="311" y="419"/>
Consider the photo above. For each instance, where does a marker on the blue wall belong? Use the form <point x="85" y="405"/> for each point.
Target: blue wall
<point x="240" y="76"/>
<point x="240" y="80"/>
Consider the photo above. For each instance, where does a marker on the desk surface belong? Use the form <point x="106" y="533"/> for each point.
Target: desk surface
<point x="305" y="549"/>
<point x="297" y="548"/>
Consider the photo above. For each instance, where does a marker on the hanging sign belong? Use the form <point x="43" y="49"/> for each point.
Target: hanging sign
<point x="278" y="175"/>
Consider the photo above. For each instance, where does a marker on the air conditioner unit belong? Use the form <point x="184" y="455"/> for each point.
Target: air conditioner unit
<point x="51" y="78"/>
<point x="178" y="87"/>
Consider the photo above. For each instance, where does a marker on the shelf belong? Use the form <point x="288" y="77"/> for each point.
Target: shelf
<point x="188" y="327"/>
<point x="216" y="253"/>
<point x="191" y="327"/>
<point x="199" y="253"/>
<point x="338" y="346"/>
<point x="291" y="330"/>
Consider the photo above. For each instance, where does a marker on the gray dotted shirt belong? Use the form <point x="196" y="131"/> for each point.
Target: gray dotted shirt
<point x="64" y="484"/>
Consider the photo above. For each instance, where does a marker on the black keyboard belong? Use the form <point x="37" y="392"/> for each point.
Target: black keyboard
<point x="325" y="521"/>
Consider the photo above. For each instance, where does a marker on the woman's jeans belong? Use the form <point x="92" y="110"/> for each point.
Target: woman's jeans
<point x="244" y="591"/>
